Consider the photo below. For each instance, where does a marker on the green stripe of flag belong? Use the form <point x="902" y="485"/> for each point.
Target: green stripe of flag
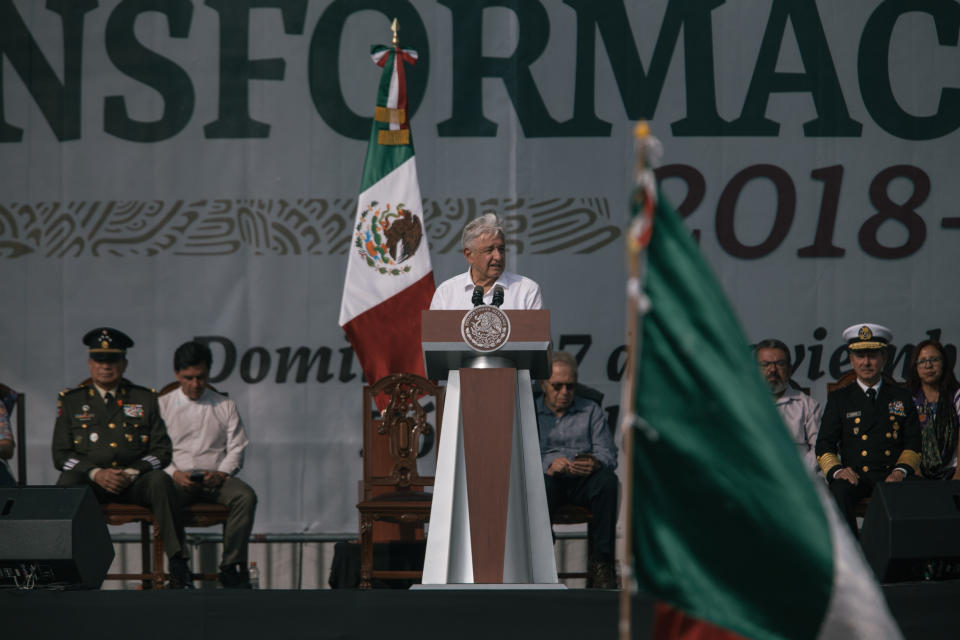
<point x="727" y="525"/>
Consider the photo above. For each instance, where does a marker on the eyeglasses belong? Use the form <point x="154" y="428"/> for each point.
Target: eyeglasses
<point x="929" y="362"/>
<point x="557" y="386"/>
<point x="779" y="364"/>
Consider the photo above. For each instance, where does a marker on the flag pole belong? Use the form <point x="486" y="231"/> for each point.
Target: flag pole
<point x="642" y="204"/>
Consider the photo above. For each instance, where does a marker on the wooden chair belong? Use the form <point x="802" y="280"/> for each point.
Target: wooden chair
<point x="202" y="514"/>
<point x="151" y="547"/>
<point x="19" y="408"/>
<point x="396" y="496"/>
<point x="570" y="513"/>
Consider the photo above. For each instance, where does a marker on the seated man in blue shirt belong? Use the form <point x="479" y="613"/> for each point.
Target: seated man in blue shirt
<point x="579" y="457"/>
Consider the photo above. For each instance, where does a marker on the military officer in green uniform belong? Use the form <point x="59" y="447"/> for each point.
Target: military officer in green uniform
<point x="109" y="435"/>
<point x="869" y="432"/>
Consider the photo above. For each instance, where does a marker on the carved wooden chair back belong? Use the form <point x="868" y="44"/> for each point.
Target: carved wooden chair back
<point x="393" y="439"/>
<point x="399" y="432"/>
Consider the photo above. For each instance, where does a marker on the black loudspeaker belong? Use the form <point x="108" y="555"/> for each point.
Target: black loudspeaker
<point x="912" y="529"/>
<point x="52" y="536"/>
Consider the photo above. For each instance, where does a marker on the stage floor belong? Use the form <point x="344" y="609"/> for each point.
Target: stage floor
<point x="924" y="610"/>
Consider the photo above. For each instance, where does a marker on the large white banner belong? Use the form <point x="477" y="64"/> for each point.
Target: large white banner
<point x="189" y="169"/>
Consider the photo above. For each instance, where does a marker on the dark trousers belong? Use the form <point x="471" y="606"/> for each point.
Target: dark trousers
<point x="240" y="499"/>
<point x="599" y="493"/>
<point x="848" y="495"/>
<point x="154" y="490"/>
<point x="6" y="478"/>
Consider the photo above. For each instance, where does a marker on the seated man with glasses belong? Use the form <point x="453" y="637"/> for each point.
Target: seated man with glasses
<point x="579" y="456"/>
<point x="800" y="412"/>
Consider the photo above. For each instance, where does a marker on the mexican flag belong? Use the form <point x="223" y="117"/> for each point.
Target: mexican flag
<point x="389" y="278"/>
<point x="728" y="527"/>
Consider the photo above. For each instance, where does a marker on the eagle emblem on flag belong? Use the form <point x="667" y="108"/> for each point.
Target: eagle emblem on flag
<point x="385" y="238"/>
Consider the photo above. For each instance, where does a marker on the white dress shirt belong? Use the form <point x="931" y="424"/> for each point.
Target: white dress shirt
<point x="519" y="292"/>
<point x="875" y="387"/>
<point x="802" y="415"/>
<point x="207" y="433"/>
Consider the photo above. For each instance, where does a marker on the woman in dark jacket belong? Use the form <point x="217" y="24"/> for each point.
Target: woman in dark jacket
<point x="936" y="395"/>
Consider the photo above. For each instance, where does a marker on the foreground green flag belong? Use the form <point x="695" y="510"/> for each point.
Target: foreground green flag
<point x="728" y="526"/>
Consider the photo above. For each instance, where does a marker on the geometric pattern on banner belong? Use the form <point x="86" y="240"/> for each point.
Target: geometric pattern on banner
<point x="304" y="226"/>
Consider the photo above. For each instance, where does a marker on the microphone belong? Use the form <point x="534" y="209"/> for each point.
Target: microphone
<point x="497" y="296"/>
<point x="477" y="298"/>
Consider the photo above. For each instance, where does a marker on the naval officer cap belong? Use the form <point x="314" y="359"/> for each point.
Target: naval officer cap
<point x="867" y="337"/>
<point x="106" y="344"/>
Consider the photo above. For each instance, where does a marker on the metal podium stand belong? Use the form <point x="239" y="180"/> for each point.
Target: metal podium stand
<point x="489" y="523"/>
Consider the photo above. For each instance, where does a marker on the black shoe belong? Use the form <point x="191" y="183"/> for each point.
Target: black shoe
<point x="180" y="577"/>
<point x="602" y="575"/>
<point x="234" y="576"/>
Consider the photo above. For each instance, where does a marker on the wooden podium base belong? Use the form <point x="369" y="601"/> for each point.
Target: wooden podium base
<point x="489" y="524"/>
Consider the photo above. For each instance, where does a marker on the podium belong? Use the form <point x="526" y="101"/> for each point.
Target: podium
<point x="489" y="522"/>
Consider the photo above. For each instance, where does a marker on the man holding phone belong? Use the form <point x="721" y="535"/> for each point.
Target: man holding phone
<point x="208" y="446"/>
<point x="579" y="456"/>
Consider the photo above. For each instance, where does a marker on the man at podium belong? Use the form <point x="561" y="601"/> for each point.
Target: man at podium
<point x="486" y="281"/>
<point x="489" y="522"/>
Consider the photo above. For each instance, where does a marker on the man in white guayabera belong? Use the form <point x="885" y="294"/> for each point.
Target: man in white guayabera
<point x="484" y="247"/>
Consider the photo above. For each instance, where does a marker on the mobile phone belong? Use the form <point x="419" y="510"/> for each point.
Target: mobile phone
<point x="196" y="477"/>
<point x="581" y="456"/>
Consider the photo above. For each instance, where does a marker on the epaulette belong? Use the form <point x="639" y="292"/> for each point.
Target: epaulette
<point x="138" y="387"/>
<point x="70" y="390"/>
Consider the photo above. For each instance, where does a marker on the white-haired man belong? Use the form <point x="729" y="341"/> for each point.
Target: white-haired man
<point x="484" y="247"/>
<point x="579" y="457"/>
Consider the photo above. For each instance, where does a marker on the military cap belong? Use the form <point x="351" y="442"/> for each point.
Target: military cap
<point x="106" y="344"/>
<point x="867" y="337"/>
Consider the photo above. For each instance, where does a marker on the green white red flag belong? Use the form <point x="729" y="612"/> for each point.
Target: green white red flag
<point x="389" y="277"/>
<point x="727" y="525"/>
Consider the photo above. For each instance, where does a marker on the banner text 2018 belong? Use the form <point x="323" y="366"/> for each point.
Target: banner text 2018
<point x="887" y="209"/>
<point x="58" y="95"/>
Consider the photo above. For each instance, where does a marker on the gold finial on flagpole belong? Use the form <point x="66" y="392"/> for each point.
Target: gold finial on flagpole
<point x="647" y="152"/>
<point x="395" y="27"/>
<point x="642" y="130"/>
